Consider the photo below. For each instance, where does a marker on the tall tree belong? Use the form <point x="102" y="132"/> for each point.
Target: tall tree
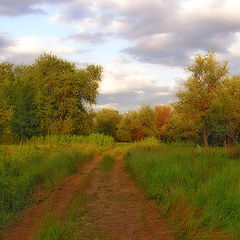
<point x="64" y="94"/>
<point x="6" y="77"/>
<point x="25" y="120"/>
<point x="195" y="99"/>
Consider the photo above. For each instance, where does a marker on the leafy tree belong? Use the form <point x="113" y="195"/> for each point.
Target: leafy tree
<point x="148" y="121"/>
<point x="107" y="120"/>
<point x="25" y="120"/>
<point x="163" y="114"/>
<point x="136" y="125"/>
<point x="195" y="100"/>
<point x="6" y="77"/>
<point x="129" y="128"/>
<point x="64" y="94"/>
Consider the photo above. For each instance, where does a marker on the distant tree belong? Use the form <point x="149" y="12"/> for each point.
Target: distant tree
<point x="195" y="100"/>
<point x="129" y="128"/>
<point x="148" y="121"/>
<point x="107" y="121"/>
<point x="163" y="114"/>
<point x="136" y="125"/>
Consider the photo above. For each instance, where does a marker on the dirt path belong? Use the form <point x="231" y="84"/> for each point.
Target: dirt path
<point x="120" y="209"/>
<point x="58" y="201"/>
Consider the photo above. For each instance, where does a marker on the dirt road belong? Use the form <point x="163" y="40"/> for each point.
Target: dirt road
<point x="117" y="206"/>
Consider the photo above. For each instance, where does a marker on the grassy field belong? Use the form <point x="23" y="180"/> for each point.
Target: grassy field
<point x="41" y="162"/>
<point x="198" y="189"/>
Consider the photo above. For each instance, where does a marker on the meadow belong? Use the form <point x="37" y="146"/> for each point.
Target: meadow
<point x="196" y="188"/>
<point x="41" y="162"/>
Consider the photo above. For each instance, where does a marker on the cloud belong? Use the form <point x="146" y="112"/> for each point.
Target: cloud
<point x="15" y="8"/>
<point x="131" y="99"/>
<point x="25" y="50"/>
<point x="92" y="38"/>
<point x="159" y="32"/>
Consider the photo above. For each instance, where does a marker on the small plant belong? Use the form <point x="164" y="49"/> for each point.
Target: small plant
<point x="107" y="163"/>
<point x="52" y="229"/>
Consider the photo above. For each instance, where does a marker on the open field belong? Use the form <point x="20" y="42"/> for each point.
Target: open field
<point x="61" y="189"/>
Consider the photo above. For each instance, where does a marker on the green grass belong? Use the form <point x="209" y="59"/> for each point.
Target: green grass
<point x="95" y="138"/>
<point x="76" y="224"/>
<point x="107" y="163"/>
<point x="51" y="229"/>
<point x="24" y="167"/>
<point x="198" y="190"/>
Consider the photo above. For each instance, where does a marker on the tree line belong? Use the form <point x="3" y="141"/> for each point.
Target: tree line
<point x="207" y="109"/>
<point x="53" y="96"/>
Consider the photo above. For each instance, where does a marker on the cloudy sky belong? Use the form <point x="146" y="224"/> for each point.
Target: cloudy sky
<point x="143" y="45"/>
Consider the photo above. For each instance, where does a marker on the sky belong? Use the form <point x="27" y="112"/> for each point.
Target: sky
<point x="142" y="45"/>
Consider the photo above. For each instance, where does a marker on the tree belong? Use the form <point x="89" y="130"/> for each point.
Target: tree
<point x="25" y="120"/>
<point x="107" y="121"/>
<point x="195" y="99"/>
<point x="148" y="121"/>
<point x="136" y="125"/>
<point x="163" y="114"/>
<point x="6" y="77"/>
<point x="64" y="94"/>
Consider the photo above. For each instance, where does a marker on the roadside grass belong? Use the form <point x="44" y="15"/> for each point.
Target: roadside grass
<point x="197" y="189"/>
<point x="76" y="225"/>
<point x="23" y="167"/>
<point x="95" y="138"/>
<point x="52" y="229"/>
<point x="107" y="163"/>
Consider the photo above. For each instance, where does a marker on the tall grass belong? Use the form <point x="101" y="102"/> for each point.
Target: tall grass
<point x="23" y="167"/>
<point x="95" y="138"/>
<point x="198" y="190"/>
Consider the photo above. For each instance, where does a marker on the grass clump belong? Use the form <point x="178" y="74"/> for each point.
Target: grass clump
<point x="95" y="138"/>
<point x="52" y="229"/>
<point x="107" y="163"/>
<point x="199" y="191"/>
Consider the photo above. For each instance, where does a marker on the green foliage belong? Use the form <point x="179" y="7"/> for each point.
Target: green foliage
<point x="195" y="106"/>
<point x="25" y="120"/>
<point x="107" y="120"/>
<point x="94" y="138"/>
<point x="51" y="229"/>
<point x="197" y="188"/>
<point x="63" y="93"/>
<point x="107" y="163"/>
<point x="51" y="96"/>
<point x="23" y="167"/>
<point x="136" y="125"/>
<point x="6" y="76"/>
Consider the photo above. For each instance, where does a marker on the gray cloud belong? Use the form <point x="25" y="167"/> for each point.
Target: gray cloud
<point x="160" y="32"/>
<point x="129" y="100"/>
<point x="22" y="7"/>
<point x="92" y="38"/>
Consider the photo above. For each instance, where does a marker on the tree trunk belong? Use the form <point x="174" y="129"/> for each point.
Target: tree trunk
<point x="225" y="142"/>
<point x="205" y="137"/>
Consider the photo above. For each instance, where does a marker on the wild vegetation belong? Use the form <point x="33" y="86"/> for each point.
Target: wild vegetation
<point x="48" y="128"/>
<point x="197" y="189"/>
